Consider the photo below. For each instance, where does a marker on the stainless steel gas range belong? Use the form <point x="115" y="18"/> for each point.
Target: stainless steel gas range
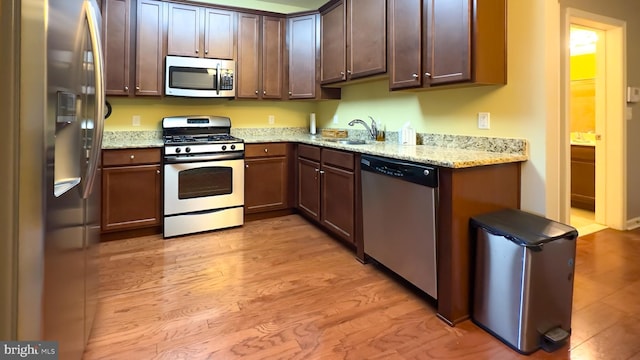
<point x="203" y="175"/>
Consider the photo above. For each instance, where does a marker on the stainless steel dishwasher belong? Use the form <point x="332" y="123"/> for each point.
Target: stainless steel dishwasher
<point x="399" y="202"/>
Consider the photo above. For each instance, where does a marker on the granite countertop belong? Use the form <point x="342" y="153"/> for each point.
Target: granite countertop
<point x="450" y="151"/>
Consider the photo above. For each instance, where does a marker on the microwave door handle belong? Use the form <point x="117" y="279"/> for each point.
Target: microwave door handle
<point x="218" y="78"/>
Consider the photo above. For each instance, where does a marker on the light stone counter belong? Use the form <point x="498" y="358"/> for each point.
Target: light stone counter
<point x="452" y="151"/>
<point x="441" y="150"/>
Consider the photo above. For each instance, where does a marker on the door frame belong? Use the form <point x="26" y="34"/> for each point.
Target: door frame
<point x="611" y="183"/>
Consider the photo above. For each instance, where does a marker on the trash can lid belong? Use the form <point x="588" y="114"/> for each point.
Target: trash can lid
<point x="524" y="228"/>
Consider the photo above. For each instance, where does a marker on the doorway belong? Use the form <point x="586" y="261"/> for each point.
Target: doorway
<point x="594" y="121"/>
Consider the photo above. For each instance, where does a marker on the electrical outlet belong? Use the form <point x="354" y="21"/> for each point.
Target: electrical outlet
<point x="335" y="119"/>
<point x="135" y="120"/>
<point x="484" y="120"/>
<point x="272" y="119"/>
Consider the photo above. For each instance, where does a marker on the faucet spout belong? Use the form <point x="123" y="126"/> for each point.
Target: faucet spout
<point x="371" y="130"/>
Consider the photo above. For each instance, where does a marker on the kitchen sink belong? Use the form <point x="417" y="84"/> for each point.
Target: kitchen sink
<point x="347" y="141"/>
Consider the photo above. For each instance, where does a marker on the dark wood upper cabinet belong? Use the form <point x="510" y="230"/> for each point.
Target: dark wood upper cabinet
<point x="405" y="43"/>
<point x="260" y="56"/>
<point x="200" y="32"/>
<point x="117" y="44"/>
<point x="150" y="49"/>
<point x="302" y="45"/>
<point x="353" y="40"/>
<point x="462" y="42"/>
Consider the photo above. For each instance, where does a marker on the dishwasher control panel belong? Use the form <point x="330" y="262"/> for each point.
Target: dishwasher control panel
<point x="416" y="173"/>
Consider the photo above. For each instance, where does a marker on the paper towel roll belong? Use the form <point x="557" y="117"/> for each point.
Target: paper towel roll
<point x="312" y="123"/>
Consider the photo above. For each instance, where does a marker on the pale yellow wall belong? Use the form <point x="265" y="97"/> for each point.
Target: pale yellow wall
<point x="242" y="113"/>
<point x="518" y="109"/>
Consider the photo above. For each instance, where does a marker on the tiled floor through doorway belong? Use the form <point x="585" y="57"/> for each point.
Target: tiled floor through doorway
<point x="584" y="221"/>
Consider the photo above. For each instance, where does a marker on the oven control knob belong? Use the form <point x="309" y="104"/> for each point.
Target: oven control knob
<point x="233" y="147"/>
<point x="224" y="147"/>
<point x="178" y="150"/>
<point x="188" y="149"/>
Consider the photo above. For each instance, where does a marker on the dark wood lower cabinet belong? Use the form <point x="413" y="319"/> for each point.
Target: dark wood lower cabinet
<point x="327" y="189"/>
<point x="583" y="177"/>
<point x="267" y="178"/>
<point x="131" y="190"/>
<point x="464" y="193"/>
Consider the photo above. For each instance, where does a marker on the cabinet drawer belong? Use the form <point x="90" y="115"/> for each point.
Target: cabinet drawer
<point x="338" y="158"/>
<point x="309" y="152"/>
<point x="583" y="153"/>
<point x="266" y="149"/>
<point x="120" y="157"/>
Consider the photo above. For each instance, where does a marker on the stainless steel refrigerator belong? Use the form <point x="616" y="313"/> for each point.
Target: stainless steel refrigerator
<point x="51" y="106"/>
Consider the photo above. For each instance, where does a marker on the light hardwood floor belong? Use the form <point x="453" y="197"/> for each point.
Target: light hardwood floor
<point x="282" y="289"/>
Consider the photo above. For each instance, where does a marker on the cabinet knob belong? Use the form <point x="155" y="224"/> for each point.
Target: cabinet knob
<point x="132" y="157"/>
<point x="348" y="72"/>
<point x="316" y="170"/>
<point x="415" y="76"/>
<point x="206" y="52"/>
<point x="158" y="172"/>
<point x="137" y="88"/>
<point x="196" y="51"/>
<point x="246" y="166"/>
<point x="427" y="74"/>
<point x="342" y="74"/>
<point x="266" y="150"/>
<point x="126" y="88"/>
<point x="264" y="92"/>
<point x="256" y="92"/>
<point x="321" y="172"/>
<point x="290" y="93"/>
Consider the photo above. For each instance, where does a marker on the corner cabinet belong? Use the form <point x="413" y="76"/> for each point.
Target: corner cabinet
<point x="463" y="42"/>
<point x="267" y="184"/>
<point x="327" y="189"/>
<point x="131" y="189"/>
<point x="261" y="41"/>
<point x="353" y="40"/>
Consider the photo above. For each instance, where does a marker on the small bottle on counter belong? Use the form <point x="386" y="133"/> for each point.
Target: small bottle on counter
<point x="380" y="136"/>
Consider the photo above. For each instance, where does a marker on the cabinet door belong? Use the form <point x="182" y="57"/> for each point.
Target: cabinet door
<point x="302" y="56"/>
<point x="183" y="37"/>
<point x="248" y="56"/>
<point x="265" y="184"/>
<point x="219" y="33"/>
<point x="131" y="197"/>
<point x="273" y="35"/>
<point x="149" y="48"/>
<point x="405" y="57"/>
<point x="366" y="39"/>
<point x="117" y="44"/>
<point x="338" y="199"/>
<point x="333" y="45"/>
<point x="309" y="188"/>
<point x="447" y="52"/>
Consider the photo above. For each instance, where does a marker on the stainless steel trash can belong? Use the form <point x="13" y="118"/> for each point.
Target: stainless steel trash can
<point x="523" y="281"/>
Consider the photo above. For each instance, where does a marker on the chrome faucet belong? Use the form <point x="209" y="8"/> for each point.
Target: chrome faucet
<point x="373" y="130"/>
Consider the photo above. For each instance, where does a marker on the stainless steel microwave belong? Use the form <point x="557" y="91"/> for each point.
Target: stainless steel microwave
<point x="199" y="77"/>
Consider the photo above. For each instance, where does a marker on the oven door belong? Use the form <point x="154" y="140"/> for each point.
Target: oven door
<point x="203" y="186"/>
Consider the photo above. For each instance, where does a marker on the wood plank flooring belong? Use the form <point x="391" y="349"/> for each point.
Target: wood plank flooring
<point x="282" y="289"/>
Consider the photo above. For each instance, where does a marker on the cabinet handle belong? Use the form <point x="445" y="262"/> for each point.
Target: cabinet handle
<point x="427" y="74"/>
<point x="415" y="76"/>
<point x="132" y="157"/>
<point x="266" y="150"/>
<point x="126" y="88"/>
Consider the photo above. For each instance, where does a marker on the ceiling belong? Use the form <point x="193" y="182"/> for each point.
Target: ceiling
<point x="279" y="6"/>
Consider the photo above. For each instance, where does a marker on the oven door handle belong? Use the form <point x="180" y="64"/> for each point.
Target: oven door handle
<point x="226" y="156"/>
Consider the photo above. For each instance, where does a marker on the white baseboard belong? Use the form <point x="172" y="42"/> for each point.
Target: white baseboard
<point x="633" y="223"/>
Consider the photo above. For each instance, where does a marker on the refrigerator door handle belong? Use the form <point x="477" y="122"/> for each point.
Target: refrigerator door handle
<point x="98" y="121"/>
